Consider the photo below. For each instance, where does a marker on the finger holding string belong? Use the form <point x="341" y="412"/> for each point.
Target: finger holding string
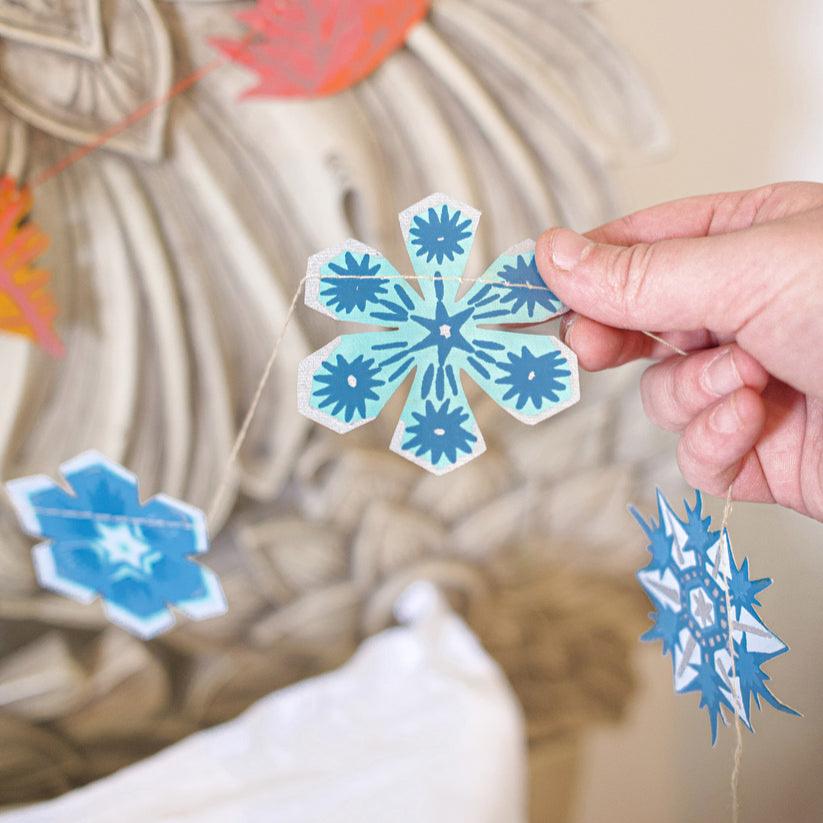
<point x="600" y="347"/>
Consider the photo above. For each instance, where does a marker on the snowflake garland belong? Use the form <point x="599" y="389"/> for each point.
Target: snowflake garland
<point x="101" y="540"/>
<point x="348" y="382"/>
<point x="687" y="584"/>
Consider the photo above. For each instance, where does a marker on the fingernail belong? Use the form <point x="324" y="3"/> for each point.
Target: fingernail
<point x="566" y="323"/>
<point x="568" y="248"/>
<point x="721" y="376"/>
<point x="724" y="419"/>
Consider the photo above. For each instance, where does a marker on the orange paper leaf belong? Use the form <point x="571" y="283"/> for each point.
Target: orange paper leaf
<point x="312" y="48"/>
<point x="27" y="306"/>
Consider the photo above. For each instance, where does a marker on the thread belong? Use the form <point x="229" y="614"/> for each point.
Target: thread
<point x="143" y="110"/>
<point x="242" y="434"/>
<point x="106" y="517"/>
<point x="734" y="785"/>
<point x="658" y="339"/>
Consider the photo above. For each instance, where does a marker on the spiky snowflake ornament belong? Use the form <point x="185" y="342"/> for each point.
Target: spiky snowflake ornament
<point x="687" y="582"/>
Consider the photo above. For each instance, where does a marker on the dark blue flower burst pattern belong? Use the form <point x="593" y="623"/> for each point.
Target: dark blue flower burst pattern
<point x="346" y="387"/>
<point x="439" y="236"/>
<point x="532" y="294"/>
<point x="358" y="284"/>
<point x="533" y="379"/>
<point x="433" y="334"/>
<point x="100" y="540"/>
<point x="699" y="596"/>
<point x="439" y="432"/>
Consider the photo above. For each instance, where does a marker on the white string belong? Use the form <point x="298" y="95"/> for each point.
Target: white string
<point x="134" y="520"/>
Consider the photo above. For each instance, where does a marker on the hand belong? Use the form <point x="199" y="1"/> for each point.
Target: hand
<point x="736" y="280"/>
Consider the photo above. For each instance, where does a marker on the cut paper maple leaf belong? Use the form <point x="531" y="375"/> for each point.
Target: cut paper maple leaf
<point x="313" y="48"/>
<point x="696" y="590"/>
<point x="27" y="307"/>
<point x="348" y="382"/>
<point x="103" y="541"/>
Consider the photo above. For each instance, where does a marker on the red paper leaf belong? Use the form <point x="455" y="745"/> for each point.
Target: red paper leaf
<point x="312" y="48"/>
<point x="26" y="304"/>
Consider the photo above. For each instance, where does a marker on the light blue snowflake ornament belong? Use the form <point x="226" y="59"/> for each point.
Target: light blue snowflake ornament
<point x="696" y="594"/>
<point x="433" y="334"/>
<point x="103" y="541"/>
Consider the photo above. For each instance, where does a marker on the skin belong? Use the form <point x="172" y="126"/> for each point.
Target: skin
<point x="735" y="280"/>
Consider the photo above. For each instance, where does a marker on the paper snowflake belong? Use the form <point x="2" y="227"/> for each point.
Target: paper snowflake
<point x="348" y="382"/>
<point x="104" y="541"/>
<point x="687" y="584"/>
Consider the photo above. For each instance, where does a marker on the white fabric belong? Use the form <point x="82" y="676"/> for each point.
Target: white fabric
<point x="420" y="725"/>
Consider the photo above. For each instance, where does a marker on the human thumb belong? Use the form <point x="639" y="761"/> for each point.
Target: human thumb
<point x="673" y="284"/>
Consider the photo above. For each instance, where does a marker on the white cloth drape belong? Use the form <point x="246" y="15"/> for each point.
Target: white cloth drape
<point x="420" y="725"/>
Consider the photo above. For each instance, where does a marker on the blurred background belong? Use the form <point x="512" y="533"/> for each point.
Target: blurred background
<point x="174" y="255"/>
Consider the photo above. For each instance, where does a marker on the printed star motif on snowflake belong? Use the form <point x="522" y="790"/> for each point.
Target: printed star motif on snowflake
<point x="687" y="580"/>
<point x="102" y="541"/>
<point x="430" y="333"/>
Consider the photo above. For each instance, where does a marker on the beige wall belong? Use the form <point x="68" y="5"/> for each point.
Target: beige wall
<point x="741" y="83"/>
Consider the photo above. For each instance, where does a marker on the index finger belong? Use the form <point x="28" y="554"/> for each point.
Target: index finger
<point x="708" y="214"/>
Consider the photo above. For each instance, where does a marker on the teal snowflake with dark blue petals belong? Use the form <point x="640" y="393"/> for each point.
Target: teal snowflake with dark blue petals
<point x="429" y="332"/>
<point x="700" y="596"/>
<point x="102" y="541"/>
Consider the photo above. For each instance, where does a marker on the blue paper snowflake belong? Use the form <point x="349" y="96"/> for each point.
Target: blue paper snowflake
<point x="433" y="334"/>
<point x="103" y="541"/>
<point x="687" y="583"/>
